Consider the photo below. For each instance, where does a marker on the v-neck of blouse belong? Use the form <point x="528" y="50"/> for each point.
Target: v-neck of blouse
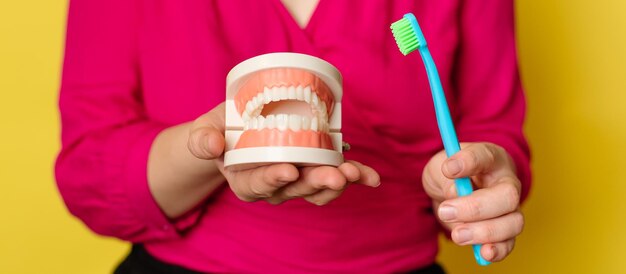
<point x="292" y="21"/>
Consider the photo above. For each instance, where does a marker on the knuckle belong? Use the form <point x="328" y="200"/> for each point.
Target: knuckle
<point x="321" y="202"/>
<point x="490" y="233"/>
<point x="333" y="181"/>
<point x="433" y="185"/>
<point x="518" y="222"/>
<point x="292" y="192"/>
<point x="237" y="189"/>
<point x="274" y="201"/>
<point x="512" y="196"/>
<point x="473" y="159"/>
<point x="245" y="198"/>
<point x="338" y="185"/>
<point x="284" y="173"/>
<point x="472" y="209"/>
<point x="266" y="175"/>
<point x="496" y="149"/>
<point x="427" y="177"/>
<point x="316" y="200"/>
<point x="257" y="193"/>
<point x="489" y="152"/>
<point x="274" y="179"/>
<point x="274" y="183"/>
<point x="351" y="171"/>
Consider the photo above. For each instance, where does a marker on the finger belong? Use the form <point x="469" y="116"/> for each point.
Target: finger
<point x="497" y="251"/>
<point x="323" y="197"/>
<point x="206" y="138"/>
<point x="296" y="189"/>
<point x="489" y="231"/>
<point x="436" y="185"/>
<point x="483" y="204"/>
<point x="447" y="226"/>
<point x="350" y="171"/>
<point x="324" y="177"/>
<point x="474" y="159"/>
<point x="261" y="182"/>
<point x="311" y="181"/>
<point x="367" y="175"/>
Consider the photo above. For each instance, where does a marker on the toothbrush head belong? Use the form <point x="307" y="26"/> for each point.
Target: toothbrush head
<point x="408" y="34"/>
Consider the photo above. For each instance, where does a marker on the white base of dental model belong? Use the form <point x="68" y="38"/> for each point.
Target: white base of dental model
<point x="249" y="157"/>
<point x="245" y="158"/>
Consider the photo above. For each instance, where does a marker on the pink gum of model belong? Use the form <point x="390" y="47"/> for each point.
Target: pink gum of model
<point x="285" y="111"/>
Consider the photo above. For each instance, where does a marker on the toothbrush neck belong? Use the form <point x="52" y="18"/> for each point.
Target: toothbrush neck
<point x="444" y="120"/>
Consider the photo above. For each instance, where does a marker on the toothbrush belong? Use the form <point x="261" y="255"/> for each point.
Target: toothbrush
<point x="409" y="38"/>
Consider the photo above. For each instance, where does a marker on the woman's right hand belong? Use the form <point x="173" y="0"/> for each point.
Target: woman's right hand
<point x="275" y="183"/>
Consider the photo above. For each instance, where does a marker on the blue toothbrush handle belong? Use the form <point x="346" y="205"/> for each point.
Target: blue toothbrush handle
<point x="446" y="128"/>
<point x="464" y="188"/>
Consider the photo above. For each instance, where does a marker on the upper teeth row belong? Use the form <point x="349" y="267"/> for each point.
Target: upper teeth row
<point x="286" y="121"/>
<point x="275" y="94"/>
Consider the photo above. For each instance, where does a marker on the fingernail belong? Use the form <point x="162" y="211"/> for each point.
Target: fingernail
<point x="454" y="166"/>
<point x="463" y="235"/>
<point x="493" y="253"/>
<point x="447" y="213"/>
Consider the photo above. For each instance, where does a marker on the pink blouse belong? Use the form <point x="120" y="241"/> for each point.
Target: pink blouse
<point x="133" y="68"/>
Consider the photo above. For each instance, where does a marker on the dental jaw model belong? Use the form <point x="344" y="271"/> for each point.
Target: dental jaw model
<point x="283" y="108"/>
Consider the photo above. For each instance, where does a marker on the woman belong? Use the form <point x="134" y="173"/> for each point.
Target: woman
<point x="142" y="136"/>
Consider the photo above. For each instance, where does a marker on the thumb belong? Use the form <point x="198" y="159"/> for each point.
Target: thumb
<point x="206" y="136"/>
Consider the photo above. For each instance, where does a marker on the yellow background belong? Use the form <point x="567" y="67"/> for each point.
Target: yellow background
<point x="573" y="60"/>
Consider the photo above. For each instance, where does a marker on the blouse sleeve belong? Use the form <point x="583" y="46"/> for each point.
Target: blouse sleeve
<point x="490" y="97"/>
<point x="106" y="134"/>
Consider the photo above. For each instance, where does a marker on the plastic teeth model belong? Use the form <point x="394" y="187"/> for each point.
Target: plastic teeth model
<point x="283" y="108"/>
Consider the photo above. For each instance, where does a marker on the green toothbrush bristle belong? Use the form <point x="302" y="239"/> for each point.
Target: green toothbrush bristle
<point x="405" y="37"/>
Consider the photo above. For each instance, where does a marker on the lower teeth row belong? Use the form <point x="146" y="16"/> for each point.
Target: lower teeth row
<point x="286" y="121"/>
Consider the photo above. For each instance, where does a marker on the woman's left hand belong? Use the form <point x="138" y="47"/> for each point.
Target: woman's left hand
<point x="489" y="216"/>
